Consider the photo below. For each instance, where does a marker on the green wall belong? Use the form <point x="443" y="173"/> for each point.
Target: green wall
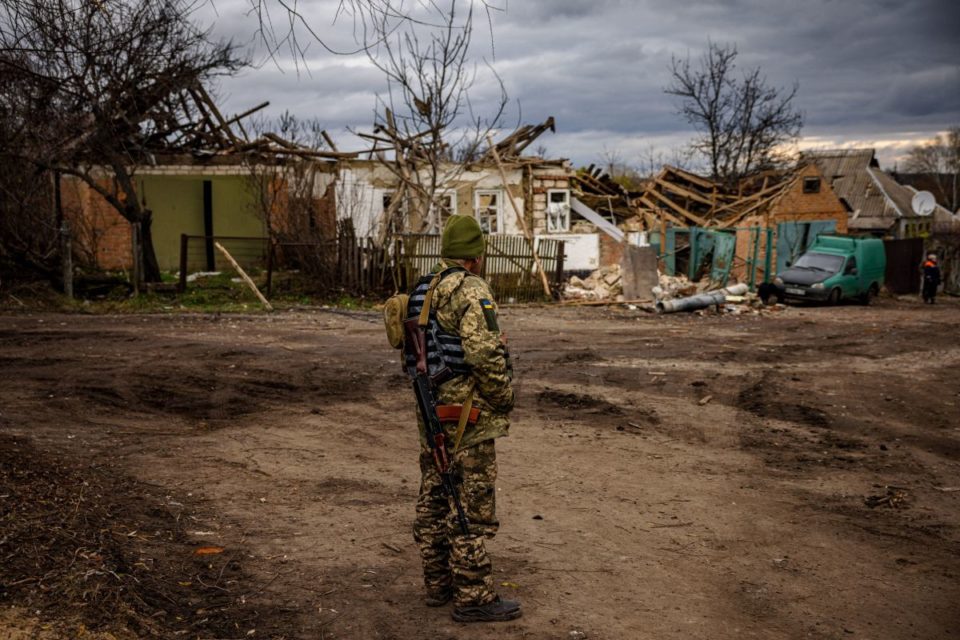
<point x="177" y="205"/>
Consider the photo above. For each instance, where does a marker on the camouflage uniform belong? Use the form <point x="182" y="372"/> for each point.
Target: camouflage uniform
<point x="465" y="307"/>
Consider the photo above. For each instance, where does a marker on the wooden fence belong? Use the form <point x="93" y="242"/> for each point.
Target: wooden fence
<point x="348" y="264"/>
<point x="508" y="265"/>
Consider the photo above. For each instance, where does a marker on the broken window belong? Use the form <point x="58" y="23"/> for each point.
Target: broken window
<point x="558" y="210"/>
<point x="444" y="205"/>
<point x="396" y="221"/>
<point x="486" y="208"/>
<point x="811" y="185"/>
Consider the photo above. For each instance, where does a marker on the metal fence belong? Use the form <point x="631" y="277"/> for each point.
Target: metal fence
<point x="508" y="265"/>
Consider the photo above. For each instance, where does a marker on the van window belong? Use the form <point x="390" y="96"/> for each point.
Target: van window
<point x="851" y="265"/>
<point x="819" y="262"/>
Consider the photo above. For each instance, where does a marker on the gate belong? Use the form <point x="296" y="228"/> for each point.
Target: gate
<point x="903" y="264"/>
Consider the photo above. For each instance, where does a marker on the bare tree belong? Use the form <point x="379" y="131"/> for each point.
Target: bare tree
<point x="425" y="127"/>
<point x="93" y="88"/>
<point x="939" y="160"/>
<point x="742" y="121"/>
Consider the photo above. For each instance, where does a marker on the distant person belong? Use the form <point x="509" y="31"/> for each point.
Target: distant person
<point x="931" y="279"/>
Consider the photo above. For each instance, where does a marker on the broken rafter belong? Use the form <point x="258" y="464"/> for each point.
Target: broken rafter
<point x="660" y="211"/>
<point x="683" y="191"/>
<point x="754" y="196"/>
<point x="683" y="212"/>
<point x="223" y="125"/>
<point x="689" y="177"/>
<point x="514" y="144"/>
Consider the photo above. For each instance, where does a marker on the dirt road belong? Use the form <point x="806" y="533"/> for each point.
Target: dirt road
<point x="792" y="476"/>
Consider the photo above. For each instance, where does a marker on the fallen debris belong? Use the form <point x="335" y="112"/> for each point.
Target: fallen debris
<point x="894" y="497"/>
<point x="603" y="284"/>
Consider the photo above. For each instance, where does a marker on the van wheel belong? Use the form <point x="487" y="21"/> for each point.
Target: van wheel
<point x="834" y="298"/>
<point x="868" y="297"/>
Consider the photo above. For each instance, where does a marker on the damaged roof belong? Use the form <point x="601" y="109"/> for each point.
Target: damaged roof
<point x="875" y="199"/>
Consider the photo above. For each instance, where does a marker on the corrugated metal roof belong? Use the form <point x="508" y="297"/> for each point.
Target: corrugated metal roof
<point x="846" y="171"/>
<point x="876" y="199"/>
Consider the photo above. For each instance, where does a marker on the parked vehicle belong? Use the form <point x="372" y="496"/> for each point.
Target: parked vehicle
<point x="834" y="268"/>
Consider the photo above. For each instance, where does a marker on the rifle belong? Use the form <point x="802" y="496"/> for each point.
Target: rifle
<point x="423" y="386"/>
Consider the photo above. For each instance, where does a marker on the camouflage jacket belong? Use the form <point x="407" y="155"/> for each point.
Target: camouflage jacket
<point x="465" y="307"/>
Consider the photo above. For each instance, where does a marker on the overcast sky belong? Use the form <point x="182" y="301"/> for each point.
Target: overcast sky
<point x="879" y="73"/>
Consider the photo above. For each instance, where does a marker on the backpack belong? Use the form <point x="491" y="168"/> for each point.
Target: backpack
<point x="394" y="313"/>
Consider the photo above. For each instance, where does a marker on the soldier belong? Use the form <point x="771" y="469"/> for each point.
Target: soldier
<point x="464" y="336"/>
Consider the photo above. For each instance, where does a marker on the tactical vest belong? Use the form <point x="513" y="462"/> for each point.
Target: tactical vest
<point x="444" y="349"/>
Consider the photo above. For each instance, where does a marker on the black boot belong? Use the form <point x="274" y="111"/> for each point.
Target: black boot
<point x="438" y="598"/>
<point x="497" y="611"/>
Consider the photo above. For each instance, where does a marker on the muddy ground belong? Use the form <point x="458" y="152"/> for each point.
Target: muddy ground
<point x="789" y="476"/>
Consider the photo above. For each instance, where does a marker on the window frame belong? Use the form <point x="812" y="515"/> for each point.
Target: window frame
<point x="438" y="222"/>
<point x="500" y="194"/>
<point x="565" y="228"/>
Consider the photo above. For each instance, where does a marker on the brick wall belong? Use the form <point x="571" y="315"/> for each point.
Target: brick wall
<point x="541" y="184"/>
<point x="102" y="237"/>
<point x="823" y="205"/>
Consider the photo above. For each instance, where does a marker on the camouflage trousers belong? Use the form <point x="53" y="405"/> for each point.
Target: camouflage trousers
<point x="452" y="560"/>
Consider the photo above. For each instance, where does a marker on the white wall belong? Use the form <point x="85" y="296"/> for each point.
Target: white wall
<point x="581" y="251"/>
<point x="359" y="200"/>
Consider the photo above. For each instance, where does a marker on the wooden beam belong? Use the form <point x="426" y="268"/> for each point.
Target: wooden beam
<point x="519" y="214"/>
<point x="693" y="195"/>
<point x="689" y="177"/>
<point x="246" y="278"/>
<point x="683" y="212"/>
<point x="662" y="213"/>
<point x="753" y="196"/>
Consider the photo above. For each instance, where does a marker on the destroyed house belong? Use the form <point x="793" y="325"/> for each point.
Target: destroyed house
<point x="748" y="230"/>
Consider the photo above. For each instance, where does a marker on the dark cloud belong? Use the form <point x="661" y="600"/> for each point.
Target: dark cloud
<point x="870" y="71"/>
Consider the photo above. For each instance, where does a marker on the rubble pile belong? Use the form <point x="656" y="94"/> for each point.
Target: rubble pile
<point x="603" y="284"/>
<point x="672" y="294"/>
<point x="679" y="294"/>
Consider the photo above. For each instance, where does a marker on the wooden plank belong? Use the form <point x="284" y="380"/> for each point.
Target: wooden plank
<point x="689" y="177"/>
<point x="683" y="212"/>
<point x="246" y="278"/>
<point x="684" y="192"/>
<point x="519" y="214"/>
<point x="753" y="196"/>
<point x="663" y="214"/>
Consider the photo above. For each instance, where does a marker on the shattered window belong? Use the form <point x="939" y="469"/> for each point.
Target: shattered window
<point x="558" y="210"/>
<point x="487" y="211"/>
<point x="444" y="205"/>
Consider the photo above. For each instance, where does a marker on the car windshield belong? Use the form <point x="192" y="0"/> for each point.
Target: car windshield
<point x="819" y="261"/>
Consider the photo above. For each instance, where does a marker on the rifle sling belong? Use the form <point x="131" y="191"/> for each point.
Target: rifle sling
<point x="464" y="418"/>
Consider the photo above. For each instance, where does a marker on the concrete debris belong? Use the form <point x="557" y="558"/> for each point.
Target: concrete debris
<point x="671" y="294"/>
<point x="603" y="284"/>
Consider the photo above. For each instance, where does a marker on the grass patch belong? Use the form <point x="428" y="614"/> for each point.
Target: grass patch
<point x="221" y="292"/>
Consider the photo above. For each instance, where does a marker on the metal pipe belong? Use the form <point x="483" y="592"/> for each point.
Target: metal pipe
<point x="740" y="289"/>
<point x="700" y="301"/>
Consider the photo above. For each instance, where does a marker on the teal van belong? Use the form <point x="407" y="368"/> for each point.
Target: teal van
<point x="834" y="268"/>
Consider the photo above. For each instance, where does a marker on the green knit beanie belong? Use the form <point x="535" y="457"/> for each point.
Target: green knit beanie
<point x="462" y="238"/>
